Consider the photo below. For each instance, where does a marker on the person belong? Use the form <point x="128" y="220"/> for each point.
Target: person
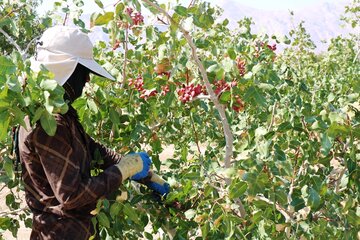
<point x="59" y="188"/>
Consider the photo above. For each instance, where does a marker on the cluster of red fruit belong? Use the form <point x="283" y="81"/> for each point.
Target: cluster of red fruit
<point x="136" y="18"/>
<point x="241" y="66"/>
<point x="238" y="104"/>
<point x="222" y="86"/>
<point x="138" y="84"/>
<point x="189" y="92"/>
<point x="272" y="47"/>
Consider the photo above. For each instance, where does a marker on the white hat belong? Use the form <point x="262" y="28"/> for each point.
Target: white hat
<point x="61" y="48"/>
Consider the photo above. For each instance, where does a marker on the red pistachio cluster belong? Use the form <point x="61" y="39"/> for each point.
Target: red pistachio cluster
<point x="189" y="92"/>
<point x="241" y="66"/>
<point x="238" y="104"/>
<point x="222" y="86"/>
<point x="136" y="18"/>
<point x="138" y="84"/>
<point x="272" y="47"/>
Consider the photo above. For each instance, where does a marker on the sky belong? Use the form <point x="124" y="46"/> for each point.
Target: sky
<point x="90" y="6"/>
<point x="279" y="4"/>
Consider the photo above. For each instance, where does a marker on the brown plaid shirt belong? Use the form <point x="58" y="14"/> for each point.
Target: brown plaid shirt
<point x="56" y="173"/>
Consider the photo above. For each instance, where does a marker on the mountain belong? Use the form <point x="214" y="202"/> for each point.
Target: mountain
<point x="321" y="21"/>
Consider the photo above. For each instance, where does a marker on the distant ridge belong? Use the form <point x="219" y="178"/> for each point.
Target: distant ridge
<point x="322" y="21"/>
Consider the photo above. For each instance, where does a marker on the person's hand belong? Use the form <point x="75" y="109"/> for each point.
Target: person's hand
<point x="135" y="166"/>
<point x="157" y="184"/>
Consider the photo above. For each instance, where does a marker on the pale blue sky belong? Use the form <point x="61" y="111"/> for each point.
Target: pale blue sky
<point x="90" y="6"/>
<point x="280" y="4"/>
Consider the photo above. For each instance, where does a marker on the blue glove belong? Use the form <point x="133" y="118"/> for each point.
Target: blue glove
<point x="158" y="184"/>
<point x="146" y="166"/>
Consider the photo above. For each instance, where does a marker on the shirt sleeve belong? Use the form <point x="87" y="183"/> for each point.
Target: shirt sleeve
<point x="109" y="156"/>
<point x="62" y="168"/>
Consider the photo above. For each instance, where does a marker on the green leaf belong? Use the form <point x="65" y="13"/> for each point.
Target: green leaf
<point x="99" y="3"/>
<point x="92" y="106"/>
<point x="314" y="199"/>
<point x="353" y="218"/>
<point x="279" y="154"/>
<point x="8" y="167"/>
<point x="37" y="115"/>
<point x="336" y="130"/>
<point x="5" y="22"/>
<point x="103" y="19"/>
<point x="6" y="66"/>
<point x="18" y="115"/>
<point x="213" y="68"/>
<point x="285" y="126"/>
<point x="114" y="116"/>
<point x="182" y="11"/>
<point x="227" y="64"/>
<point x="326" y="144"/>
<point x="119" y="8"/>
<point x="254" y="94"/>
<point x="150" y="33"/>
<point x="48" y="84"/>
<point x="4" y="125"/>
<point x="232" y="54"/>
<point x="131" y="213"/>
<point x="49" y="108"/>
<point x="190" y="214"/>
<point x="225" y="97"/>
<point x="257" y="68"/>
<point x="48" y="123"/>
<point x="103" y="219"/>
<point x="202" y="43"/>
<point x="256" y="182"/>
<point x="115" y="209"/>
<point x="237" y="189"/>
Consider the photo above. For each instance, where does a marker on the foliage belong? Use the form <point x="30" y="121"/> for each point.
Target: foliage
<point x="294" y="117"/>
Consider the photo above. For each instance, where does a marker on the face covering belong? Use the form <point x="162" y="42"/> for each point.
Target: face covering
<point x="76" y="82"/>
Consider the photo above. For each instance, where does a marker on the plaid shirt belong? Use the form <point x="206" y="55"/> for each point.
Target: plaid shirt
<point x="56" y="172"/>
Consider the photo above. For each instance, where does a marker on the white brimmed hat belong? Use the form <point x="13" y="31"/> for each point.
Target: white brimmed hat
<point x="61" y="48"/>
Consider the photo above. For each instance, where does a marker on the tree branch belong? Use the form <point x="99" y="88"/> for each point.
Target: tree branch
<point x="272" y="116"/>
<point x="125" y="53"/>
<point x="12" y="42"/>
<point x="229" y="138"/>
<point x="14" y="212"/>
<point x="213" y="97"/>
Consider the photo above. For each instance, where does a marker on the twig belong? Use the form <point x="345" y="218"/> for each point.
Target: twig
<point x="66" y="17"/>
<point x="201" y="96"/>
<point x="282" y="210"/>
<point x="29" y="44"/>
<point x="191" y="3"/>
<point x="12" y="41"/>
<point x="356" y="56"/>
<point x="14" y="212"/>
<point x="162" y="21"/>
<point x="291" y="188"/>
<point x="13" y="11"/>
<point x="125" y="53"/>
<point x="117" y="2"/>
<point x="196" y="139"/>
<point x="272" y="116"/>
